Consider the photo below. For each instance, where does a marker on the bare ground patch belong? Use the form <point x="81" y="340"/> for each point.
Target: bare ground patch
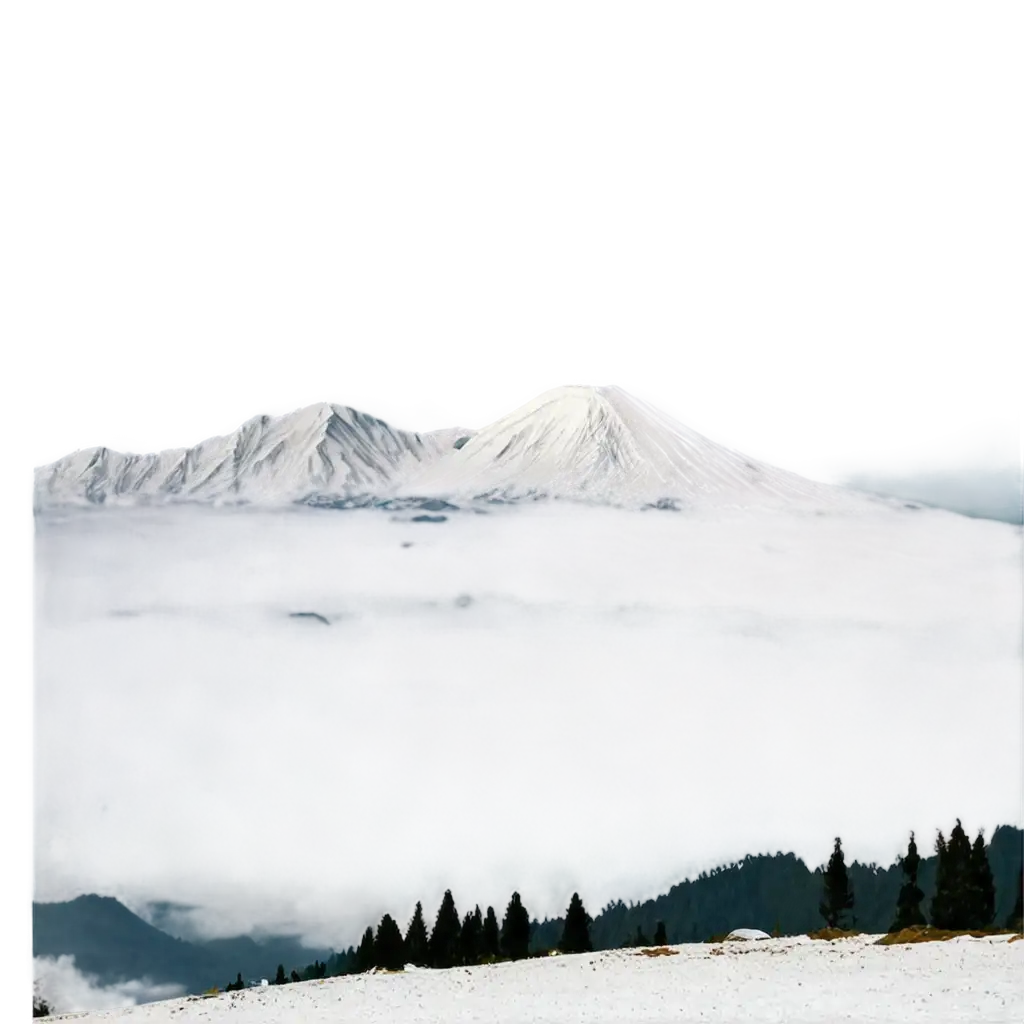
<point x="834" y="933"/>
<point x="927" y="933"/>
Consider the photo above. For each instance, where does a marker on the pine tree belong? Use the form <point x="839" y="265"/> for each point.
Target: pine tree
<point x="576" y="933"/>
<point x="444" y="939"/>
<point x="365" y="953"/>
<point x="515" y="930"/>
<point x="951" y="904"/>
<point x="280" y="978"/>
<point x="471" y="937"/>
<point x="981" y="889"/>
<point x="640" y="939"/>
<point x="491" y="945"/>
<point x="295" y="976"/>
<point x="908" y="903"/>
<point x="40" y="1007"/>
<point x="417" y="945"/>
<point x="660" y="936"/>
<point x="838" y="894"/>
<point x="388" y="947"/>
<point x="1016" y="918"/>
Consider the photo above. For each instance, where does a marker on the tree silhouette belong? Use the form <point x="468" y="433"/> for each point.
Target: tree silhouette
<point x="908" y="903"/>
<point x="471" y="938"/>
<point x="491" y="945"/>
<point x="576" y="933"/>
<point x="444" y="939"/>
<point x="40" y="1007"/>
<point x="951" y="904"/>
<point x="515" y="930"/>
<point x="280" y="978"/>
<point x="1016" y="918"/>
<point x="417" y="945"/>
<point x="364" y="954"/>
<point x="660" y="937"/>
<point x="295" y="976"/>
<point x="838" y="898"/>
<point x="388" y="947"/>
<point x="981" y="888"/>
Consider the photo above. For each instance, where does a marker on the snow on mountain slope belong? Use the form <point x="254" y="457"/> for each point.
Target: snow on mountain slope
<point x="324" y="450"/>
<point x="601" y="444"/>
<point x="797" y="980"/>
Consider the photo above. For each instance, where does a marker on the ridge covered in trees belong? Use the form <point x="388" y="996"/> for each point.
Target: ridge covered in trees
<point x="777" y="893"/>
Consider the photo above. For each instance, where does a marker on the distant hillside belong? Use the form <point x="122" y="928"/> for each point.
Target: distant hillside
<point x="763" y="891"/>
<point x="110" y="942"/>
<point x="976" y="469"/>
<point x="769" y="891"/>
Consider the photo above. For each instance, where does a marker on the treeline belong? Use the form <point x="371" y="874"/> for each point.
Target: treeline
<point x="475" y="939"/>
<point x="961" y="885"/>
<point x="965" y="892"/>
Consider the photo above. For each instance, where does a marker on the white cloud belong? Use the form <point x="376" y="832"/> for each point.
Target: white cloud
<point x="67" y="990"/>
<point x="628" y="697"/>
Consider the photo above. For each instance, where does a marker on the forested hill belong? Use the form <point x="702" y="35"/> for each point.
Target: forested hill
<point x="778" y="891"/>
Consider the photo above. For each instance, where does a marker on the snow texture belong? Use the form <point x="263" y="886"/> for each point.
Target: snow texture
<point x="795" y="980"/>
<point x="595" y="444"/>
<point x="601" y="444"/>
<point x="329" y="451"/>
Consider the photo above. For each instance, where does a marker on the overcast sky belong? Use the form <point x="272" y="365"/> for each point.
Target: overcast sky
<point x="792" y="228"/>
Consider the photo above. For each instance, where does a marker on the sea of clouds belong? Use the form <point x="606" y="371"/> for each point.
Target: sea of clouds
<point x="545" y="698"/>
<point x="65" y="989"/>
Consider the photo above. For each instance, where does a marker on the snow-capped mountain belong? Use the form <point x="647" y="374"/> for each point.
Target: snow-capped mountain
<point x="596" y="444"/>
<point x="321" y="451"/>
<point x="601" y="444"/>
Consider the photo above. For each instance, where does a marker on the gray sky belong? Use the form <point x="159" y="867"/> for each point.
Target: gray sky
<point x="793" y="231"/>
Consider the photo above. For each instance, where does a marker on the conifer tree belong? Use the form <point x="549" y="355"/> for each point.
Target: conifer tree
<point x="641" y="939"/>
<point x="280" y="978"/>
<point x="908" y="903"/>
<point x="417" y="945"/>
<point x="40" y="1007"/>
<point x="838" y="898"/>
<point x="1016" y="918"/>
<point x="444" y="939"/>
<point x="515" y="930"/>
<point x="981" y="888"/>
<point x="295" y="976"/>
<point x="576" y="933"/>
<point x="491" y="945"/>
<point x="660" y="936"/>
<point x="471" y="937"/>
<point x="950" y="908"/>
<point x="388" y="947"/>
<point x="364" y="954"/>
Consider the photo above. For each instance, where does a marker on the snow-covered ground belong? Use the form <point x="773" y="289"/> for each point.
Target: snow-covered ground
<point x="795" y="981"/>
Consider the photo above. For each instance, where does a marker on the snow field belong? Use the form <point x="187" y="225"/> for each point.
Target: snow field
<point x="792" y="980"/>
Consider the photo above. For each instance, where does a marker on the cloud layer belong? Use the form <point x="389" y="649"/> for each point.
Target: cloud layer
<point x="67" y="990"/>
<point x="543" y="699"/>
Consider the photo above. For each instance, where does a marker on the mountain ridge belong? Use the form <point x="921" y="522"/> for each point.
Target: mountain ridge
<point x="326" y="449"/>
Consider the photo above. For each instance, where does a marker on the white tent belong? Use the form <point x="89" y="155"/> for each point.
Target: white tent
<point x="747" y="933"/>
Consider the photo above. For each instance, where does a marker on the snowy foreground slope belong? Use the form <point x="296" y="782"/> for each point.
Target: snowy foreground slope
<point x="795" y="980"/>
<point x="321" y="449"/>
<point x="595" y="444"/>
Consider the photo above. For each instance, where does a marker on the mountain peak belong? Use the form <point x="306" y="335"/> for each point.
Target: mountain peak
<point x="322" y="449"/>
<point x="601" y="444"/>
